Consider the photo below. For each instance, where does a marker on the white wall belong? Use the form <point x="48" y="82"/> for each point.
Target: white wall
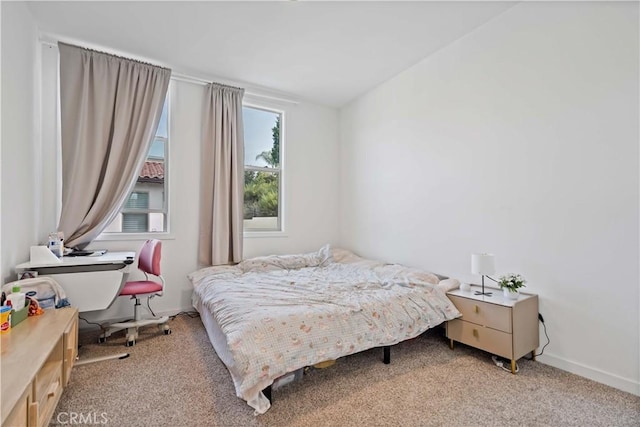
<point x="519" y="139"/>
<point x="1" y="263"/>
<point x="18" y="177"/>
<point x="310" y="185"/>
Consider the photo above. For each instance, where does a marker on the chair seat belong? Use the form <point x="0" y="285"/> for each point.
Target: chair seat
<point x="140" y="287"/>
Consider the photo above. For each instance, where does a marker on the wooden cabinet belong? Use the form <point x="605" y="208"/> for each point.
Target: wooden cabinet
<point x="70" y="344"/>
<point x="504" y="327"/>
<point x="36" y="361"/>
<point x="19" y="414"/>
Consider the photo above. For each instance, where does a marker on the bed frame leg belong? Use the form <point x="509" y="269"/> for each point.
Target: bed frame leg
<point x="267" y="393"/>
<point x="387" y="354"/>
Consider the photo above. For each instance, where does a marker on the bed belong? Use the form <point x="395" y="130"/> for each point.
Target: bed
<point x="270" y="316"/>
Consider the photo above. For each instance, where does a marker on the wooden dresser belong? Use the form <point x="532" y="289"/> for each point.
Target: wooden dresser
<point x="501" y="326"/>
<point x="36" y="358"/>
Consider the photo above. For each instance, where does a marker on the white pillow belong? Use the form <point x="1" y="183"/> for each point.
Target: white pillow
<point x="344" y="256"/>
<point x="449" y="284"/>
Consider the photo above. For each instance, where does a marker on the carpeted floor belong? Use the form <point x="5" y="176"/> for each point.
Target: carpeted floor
<point x="177" y="380"/>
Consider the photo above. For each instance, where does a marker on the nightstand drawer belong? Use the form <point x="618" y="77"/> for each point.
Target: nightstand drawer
<point x="483" y="313"/>
<point x="486" y="339"/>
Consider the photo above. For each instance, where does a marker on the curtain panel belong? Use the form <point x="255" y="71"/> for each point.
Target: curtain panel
<point x="110" y="109"/>
<point x="222" y="177"/>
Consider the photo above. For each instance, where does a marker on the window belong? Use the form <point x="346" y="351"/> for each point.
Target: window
<point x="262" y="169"/>
<point x="145" y="210"/>
<point x="133" y="222"/>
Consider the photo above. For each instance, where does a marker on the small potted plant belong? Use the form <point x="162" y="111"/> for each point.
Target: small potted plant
<point x="510" y="283"/>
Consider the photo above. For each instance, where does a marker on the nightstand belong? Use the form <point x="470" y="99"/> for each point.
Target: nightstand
<point x="495" y="324"/>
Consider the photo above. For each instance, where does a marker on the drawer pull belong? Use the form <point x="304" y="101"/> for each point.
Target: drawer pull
<point x="476" y="309"/>
<point x="475" y="333"/>
<point x="53" y="388"/>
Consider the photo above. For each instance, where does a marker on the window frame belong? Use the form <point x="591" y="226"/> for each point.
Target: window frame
<point x="280" y="171"/>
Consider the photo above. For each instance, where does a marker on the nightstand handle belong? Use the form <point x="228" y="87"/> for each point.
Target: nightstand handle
<point x="476" y="309"/>
<point x="475" y="333"/>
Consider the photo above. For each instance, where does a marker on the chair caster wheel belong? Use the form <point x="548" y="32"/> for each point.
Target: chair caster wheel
<point x="102" y="340"/>
<point x="131" y="340"/>
<point x="167" y="331"/>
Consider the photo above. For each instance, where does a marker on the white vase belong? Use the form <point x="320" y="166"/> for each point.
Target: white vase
<point x="509" y="294"/>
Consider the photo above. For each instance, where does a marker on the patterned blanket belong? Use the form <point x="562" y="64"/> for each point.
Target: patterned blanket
<point x="281" y="313"/>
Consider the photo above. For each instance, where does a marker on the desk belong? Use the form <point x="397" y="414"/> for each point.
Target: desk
<point x="90" y="282"/>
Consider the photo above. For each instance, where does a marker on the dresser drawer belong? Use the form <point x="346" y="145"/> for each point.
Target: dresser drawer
<point x="49" y="397"/>
<point x="48" y="384"/>
<point x="487" y="339"/>
<point x="19" y="414"/>
<point x="483" y="313"/>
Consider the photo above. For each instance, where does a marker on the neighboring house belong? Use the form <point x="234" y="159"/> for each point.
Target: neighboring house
<point x="148" y="193"/>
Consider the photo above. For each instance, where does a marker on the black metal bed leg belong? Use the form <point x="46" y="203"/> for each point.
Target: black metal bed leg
<point x="267" y="393"/>
<point x="387" y="354"/>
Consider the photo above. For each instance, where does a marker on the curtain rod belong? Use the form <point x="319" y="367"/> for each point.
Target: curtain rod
<point x="177" y="76"/>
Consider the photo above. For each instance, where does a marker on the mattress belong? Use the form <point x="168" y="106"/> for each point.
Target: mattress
<point x="268" y="316"/>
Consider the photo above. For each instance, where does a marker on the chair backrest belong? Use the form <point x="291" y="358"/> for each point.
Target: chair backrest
<point x="149" y="258"/>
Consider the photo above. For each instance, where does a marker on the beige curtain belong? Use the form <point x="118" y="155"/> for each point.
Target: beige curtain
<point x="110" y="109"/>
<point x="222" y="176"/>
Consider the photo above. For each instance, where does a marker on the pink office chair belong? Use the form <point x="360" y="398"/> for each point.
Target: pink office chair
<point x="149" y="264"/>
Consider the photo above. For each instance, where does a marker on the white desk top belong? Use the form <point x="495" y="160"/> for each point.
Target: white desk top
<point x="90" y="282"/>
<point x="67" y="261"/>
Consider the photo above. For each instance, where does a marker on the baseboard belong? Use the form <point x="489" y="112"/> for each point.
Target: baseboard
<point x="597" y="375"/>
<point x="94" y="325"/>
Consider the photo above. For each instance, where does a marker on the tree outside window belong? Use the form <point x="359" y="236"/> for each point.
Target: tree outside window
<point x="262" y="175"/>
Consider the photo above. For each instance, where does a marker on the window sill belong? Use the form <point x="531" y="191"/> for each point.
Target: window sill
<point x="114" y="237"/>
<point x="264" y="234"/>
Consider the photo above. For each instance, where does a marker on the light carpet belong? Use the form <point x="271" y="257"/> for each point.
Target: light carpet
<point x="177" y="380"/>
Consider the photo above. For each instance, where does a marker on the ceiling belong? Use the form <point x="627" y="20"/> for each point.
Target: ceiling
<point x="325" y="52"/>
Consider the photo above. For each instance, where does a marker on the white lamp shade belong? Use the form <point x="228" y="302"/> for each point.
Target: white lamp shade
<point x="482" y="264"/>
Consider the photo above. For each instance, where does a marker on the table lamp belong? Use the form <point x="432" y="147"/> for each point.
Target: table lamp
<point x="482" y="264"/>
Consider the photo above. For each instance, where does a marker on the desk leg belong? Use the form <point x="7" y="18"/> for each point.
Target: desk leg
<point x="101" y="359"/>
<point x="513" y="366"/>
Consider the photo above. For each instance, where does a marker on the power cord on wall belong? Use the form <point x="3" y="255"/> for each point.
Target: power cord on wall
<point x="102" y="328"/>
<point x="544" y="328"/>
<point x="499" y="363"/>
<point x="149" y="306"/>
<point x="191" y="314"/>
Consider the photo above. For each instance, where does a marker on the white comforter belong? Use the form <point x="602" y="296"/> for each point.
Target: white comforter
<point x="281" y="313"/>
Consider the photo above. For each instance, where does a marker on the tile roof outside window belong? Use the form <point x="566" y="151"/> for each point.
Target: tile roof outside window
<point x="152" y="172"/>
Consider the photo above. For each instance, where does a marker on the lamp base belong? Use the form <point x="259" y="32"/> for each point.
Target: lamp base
<point x="483" y="293"/>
